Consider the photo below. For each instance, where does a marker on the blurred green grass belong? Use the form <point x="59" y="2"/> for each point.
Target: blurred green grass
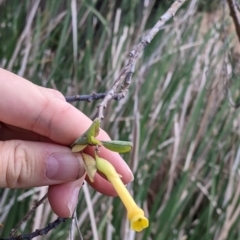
<point x="185" y="133"/>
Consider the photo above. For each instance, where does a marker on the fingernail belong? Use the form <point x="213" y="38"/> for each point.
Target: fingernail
<point x="73" y="200"/>
<point x="63" y="166"/>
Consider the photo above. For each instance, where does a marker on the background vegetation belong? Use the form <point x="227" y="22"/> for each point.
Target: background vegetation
<point x="186" y="134"/>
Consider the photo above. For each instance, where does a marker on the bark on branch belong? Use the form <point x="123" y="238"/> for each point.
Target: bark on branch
<point x="234" y="13"/>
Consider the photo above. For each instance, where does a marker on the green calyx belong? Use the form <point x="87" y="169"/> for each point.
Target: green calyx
<point x="89" y="138"/>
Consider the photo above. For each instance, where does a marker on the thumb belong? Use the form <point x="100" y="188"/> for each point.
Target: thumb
<point x="26" y="164"/>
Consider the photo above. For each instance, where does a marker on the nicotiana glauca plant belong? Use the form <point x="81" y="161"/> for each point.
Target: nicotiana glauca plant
<point x="135" y="214"/>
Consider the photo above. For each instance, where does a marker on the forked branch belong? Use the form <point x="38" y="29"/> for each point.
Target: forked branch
<point x="125" y="76"/>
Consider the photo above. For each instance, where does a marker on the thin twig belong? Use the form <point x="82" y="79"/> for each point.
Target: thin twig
<point x="126" y="73"/>
<point x="38" y="232"/>
<point x="91" y="97"/>
<point x="125" y="77"/>
<point x="26" y="217"/>
<point x="234" y="13"/>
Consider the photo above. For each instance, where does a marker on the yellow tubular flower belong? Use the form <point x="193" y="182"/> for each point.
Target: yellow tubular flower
<point x="135" y="214"/>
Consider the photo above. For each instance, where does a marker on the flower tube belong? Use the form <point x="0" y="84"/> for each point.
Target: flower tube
<point x="135" y="214"/>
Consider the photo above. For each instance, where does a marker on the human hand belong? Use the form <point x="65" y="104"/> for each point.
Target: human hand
<point x="36" y="126"/>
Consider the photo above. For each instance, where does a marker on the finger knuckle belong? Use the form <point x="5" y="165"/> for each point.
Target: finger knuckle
<point x="18" y="167"/>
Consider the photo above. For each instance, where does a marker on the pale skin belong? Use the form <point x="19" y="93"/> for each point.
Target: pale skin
<point x="36" y="127"/>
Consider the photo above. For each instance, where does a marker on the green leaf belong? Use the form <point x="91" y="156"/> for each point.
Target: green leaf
<point x="93" y="130"/>
<point x="82" y="140"/>
<point x="89" y="136"/>
<point x="78" y="148"/>
<point x="90" y="166"/>
<point x="118" y="146"/>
